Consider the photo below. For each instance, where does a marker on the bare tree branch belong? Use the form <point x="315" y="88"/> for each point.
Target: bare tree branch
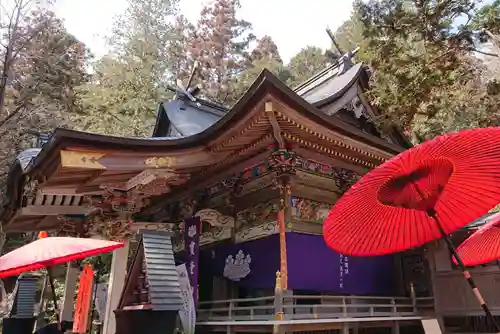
<point x="484" y="52"/>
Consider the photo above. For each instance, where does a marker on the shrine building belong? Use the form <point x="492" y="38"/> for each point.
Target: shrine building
<point x="241" y="194"/>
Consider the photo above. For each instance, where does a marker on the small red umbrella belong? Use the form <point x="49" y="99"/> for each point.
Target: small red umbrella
<point x="51" y="251"/>
<point x="47" y="252"/>
<point x="482" y="246"/>
<point x="418" y="196"/>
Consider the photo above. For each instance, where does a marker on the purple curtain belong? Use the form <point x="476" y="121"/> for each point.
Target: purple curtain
<point x="312" y="266"/>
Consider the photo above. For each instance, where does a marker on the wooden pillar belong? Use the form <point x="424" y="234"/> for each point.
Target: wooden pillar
<point x="395" y="328"/>
<point x="278" y="303"/>
<point x="283" y="162"/>
<point x="283" y="256"/>
<point x="115" y="287"/>
<point x="72" y="273"/>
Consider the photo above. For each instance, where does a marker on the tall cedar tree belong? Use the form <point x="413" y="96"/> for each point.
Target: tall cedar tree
<point x="265" y="48"/>
<point x="220" y="44"/>
<point x="182" y="59"/>
<point x="265" y="55"/>
<point x="46" y="65"/>
<point x="130" y="81"/>
<point x="42" y="65"/>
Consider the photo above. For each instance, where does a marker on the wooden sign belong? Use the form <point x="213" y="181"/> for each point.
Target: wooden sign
<point x="83" y="300"/>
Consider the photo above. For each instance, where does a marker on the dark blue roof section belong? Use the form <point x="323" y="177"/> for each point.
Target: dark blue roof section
<point x="189" y="118"/>
<point x="330" y="85"/>
<point x="182" y="117"/>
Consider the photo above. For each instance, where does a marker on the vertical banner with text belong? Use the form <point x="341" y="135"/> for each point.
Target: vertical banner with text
<point x="192" y="230"/>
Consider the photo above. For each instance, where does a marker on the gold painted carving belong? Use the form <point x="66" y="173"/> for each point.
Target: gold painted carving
<point x="76" y="159"/>
<point x="159" y="162"/>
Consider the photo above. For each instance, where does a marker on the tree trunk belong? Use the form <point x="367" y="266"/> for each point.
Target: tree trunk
<point x="7" y="63"/>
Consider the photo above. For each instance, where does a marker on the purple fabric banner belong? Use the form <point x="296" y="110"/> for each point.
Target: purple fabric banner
<point x="192" y="228"/>
<point x="312" y="266"/>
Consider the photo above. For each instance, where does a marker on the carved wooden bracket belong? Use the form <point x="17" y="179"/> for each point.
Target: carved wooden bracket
<point x="344" y="179"/>
<point x="215" y="218"/>
<point x="30" y="189"/>
<point x="111" y="227"/>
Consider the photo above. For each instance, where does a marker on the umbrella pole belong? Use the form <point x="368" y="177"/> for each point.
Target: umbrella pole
<point x="465" y="272"/>
<point x="54" y="298"/>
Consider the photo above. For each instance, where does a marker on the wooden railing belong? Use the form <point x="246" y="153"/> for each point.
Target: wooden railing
<point x="313" y="307"/>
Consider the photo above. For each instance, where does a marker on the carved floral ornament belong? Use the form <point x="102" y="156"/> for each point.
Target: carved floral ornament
<point x="112" y="218"/>
<point x="102" y="225"/>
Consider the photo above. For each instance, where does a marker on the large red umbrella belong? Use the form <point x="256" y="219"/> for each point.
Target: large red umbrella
<point x="418" y="196"/>
<point x="482" y="246"/>
<point x="47" y="252"/>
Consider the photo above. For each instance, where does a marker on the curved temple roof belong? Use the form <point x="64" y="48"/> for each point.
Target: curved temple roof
<point x="183" y="117"/>
<point x="194" y="139"/>
<point x="198" y="122"/>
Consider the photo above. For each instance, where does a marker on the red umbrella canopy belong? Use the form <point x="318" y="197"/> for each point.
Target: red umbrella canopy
<point x="454" y="177"/>
<point x="51" y="251"/>
<point x="482" y="246"/>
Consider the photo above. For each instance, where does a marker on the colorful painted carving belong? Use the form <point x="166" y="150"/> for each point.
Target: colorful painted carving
<point x="257" y="215"/>
<point x="306" y="165"/>
<point x="309" y="210"/>
<point x="283" y="162"/>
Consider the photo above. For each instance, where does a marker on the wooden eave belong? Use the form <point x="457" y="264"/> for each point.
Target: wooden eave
<point x="76" y="163"/>
<point x="299" y="124"/>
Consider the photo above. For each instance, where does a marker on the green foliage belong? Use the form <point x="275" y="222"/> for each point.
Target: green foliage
<point x="44" y="64"/>
<point x="309" y="61"/>
<point x="128" y="84"/>
<point x="101" y="265"/>
<point x="349" y="36"/>
<point x="246" y="78"/>
<point x="115" y="102"/>
<point x="425" y="79"/>
<point x="488" y="17"/>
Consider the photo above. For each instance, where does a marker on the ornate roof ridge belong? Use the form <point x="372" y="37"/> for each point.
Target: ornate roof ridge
<point x="326" y="73"/>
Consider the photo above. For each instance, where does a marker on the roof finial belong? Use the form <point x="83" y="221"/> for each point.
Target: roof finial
<point x="332" y="37"/>
<point x="189" y="92"/>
